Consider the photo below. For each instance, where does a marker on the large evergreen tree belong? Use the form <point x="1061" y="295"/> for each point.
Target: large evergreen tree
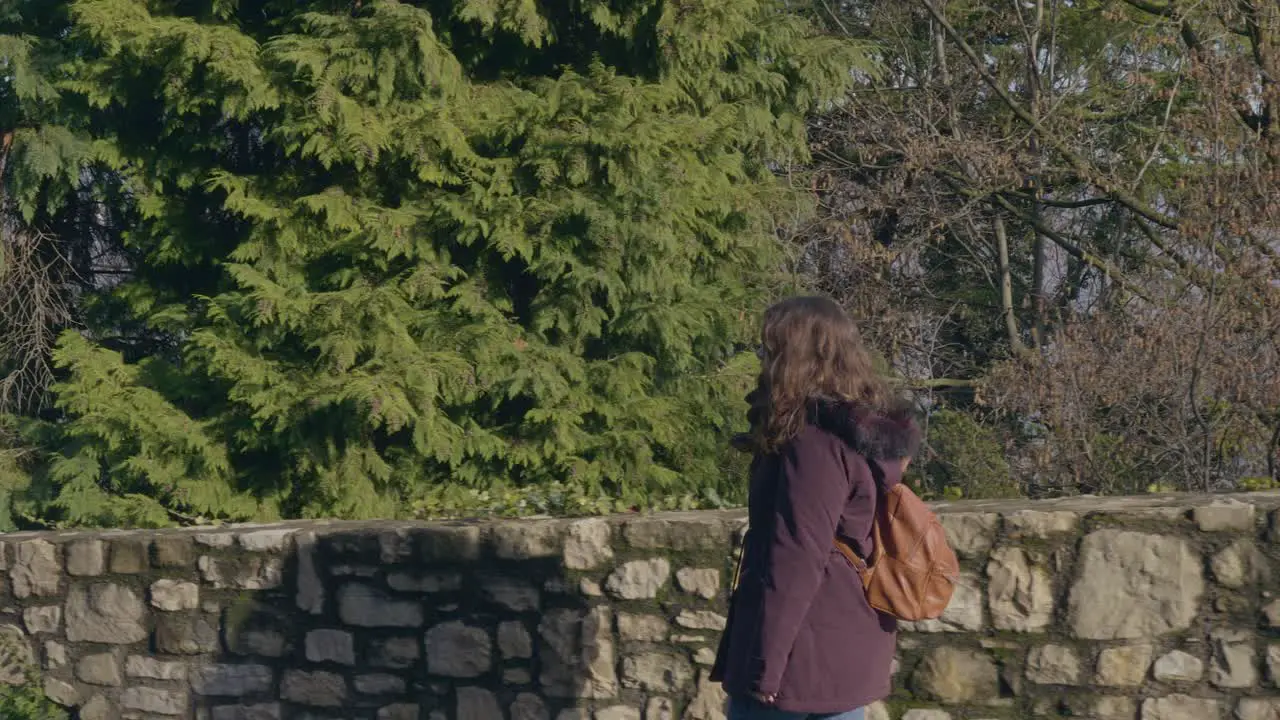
<point x="349" y="258"/>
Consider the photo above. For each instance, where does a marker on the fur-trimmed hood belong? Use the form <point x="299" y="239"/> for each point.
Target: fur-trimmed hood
<point x="876" y="435"/>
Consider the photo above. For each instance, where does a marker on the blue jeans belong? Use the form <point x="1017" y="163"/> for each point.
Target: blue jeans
<point x="747" y="709"/>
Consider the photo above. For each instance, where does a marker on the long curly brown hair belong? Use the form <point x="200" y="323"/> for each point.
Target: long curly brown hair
<point x="810" y="349"/>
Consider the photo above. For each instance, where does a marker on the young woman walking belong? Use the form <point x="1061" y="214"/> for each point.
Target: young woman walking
<point x="802" y="641"/>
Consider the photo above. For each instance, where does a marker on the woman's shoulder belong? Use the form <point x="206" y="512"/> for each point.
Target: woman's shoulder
<point x="816" y="440"/>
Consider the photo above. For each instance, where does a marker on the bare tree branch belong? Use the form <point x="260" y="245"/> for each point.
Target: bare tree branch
<point x="1082" y="168"/>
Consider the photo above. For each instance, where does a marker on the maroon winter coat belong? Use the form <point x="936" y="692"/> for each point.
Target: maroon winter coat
<point x="799" y="624"/>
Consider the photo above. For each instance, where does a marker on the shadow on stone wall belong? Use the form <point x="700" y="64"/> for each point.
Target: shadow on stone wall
<point x="518" y="621"/>
<point x="417" y="623"/>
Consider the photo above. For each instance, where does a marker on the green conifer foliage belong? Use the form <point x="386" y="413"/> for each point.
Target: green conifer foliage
<point x="385" y="255"/>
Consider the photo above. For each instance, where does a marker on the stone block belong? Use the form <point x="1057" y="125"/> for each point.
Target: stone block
<point x="1273" y="664"/>
<point x="395" y="546"/>
<point x="963" y="613"/>
<point x="55" y="655"/>
<point x="1115" y="708"/>
<point x="36" y="570"/>
<point x="1178" y="666"/>
<point x="61" y="692"/>
<point x="709" y="700"/>
<point x="1053" y="665"/>
<point x="359" y="546"/>
<point x="514" y="641"/>
<point x="1258" y="709"/>
<point x="98" y="708"/>
<point x="100" y="669"/>
<point x="639" y="579"/>
<point x="45" y="619"/>
<point x="449" y="543"/>
<point x="680" y="534"/>
<point x="273" y="540"/>
<point x="658" y="672"/>
<point x="701" y="620"/>
<point x="186" y="634"/>
<point x="172" y="551"/>
<point x="477" y="704"/>
<point x="701" y="582"/>
<point x="310" y="595"/>
<point x="314" y="689"/>
<point x="527" y="540"/>
<point x="155" y="701"/>
<point x="174" y="595"/>
<point x="1134" y="585"/>
<point x="130" y="556"/>
<point x="642" y="628"/>
<point x="262" y="642"/>
<point x="1225" y="515"/>
<point x="1040" y="524"/>
<point x="366" y="606"/>
<point x="1238" y="565"/>
<point x="141" y="666"/>
<point x="969" y="534"/>
<point x="1019" y="591"/>
<point x="217" y="540"/>
<point x="1124" y="666"/>
<point x="512" y="595"/>
<point x="528" y="706"/>
<point x="240" y="572"/>
<point x="86" y="558"/>
<point x="926" y="714"/>
<point x="577" y="654"/>
<point x="105" y="613"/>
<point x="660" y="708"/>
<point x="379" y="684"/>
<point x="335" y="646"/>
<point x="457" y="650"/>
<point x="618" y="712"/>
<point x="1233" y="664"/>
<point x="396" y="653"/>
<point x="231" y="680"/>
<point x="587" y="544"/>
<point x="957" y="676"/>
<point x="1180" y="707"/>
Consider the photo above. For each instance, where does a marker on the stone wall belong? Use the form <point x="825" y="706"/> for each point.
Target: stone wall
<point x="1147" y="608"/>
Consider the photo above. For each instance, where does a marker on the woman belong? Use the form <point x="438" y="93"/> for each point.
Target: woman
<point x="802" y="642"/>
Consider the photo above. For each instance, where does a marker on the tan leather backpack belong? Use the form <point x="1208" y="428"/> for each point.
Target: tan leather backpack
<point x="912" y="570"/>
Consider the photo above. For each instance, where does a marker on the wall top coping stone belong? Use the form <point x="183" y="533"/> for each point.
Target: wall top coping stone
<point x="1083" y="504"/>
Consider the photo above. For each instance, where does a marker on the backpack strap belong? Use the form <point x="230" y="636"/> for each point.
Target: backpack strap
<point x="742" y="557"/>
<point x="854" y="559"/>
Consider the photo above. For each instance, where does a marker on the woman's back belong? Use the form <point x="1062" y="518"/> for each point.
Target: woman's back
<point x="802" y="638"/>
<point x="800" y="626"/>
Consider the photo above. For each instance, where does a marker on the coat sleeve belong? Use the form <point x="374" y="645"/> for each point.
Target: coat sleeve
<point x="812" y="491"/>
